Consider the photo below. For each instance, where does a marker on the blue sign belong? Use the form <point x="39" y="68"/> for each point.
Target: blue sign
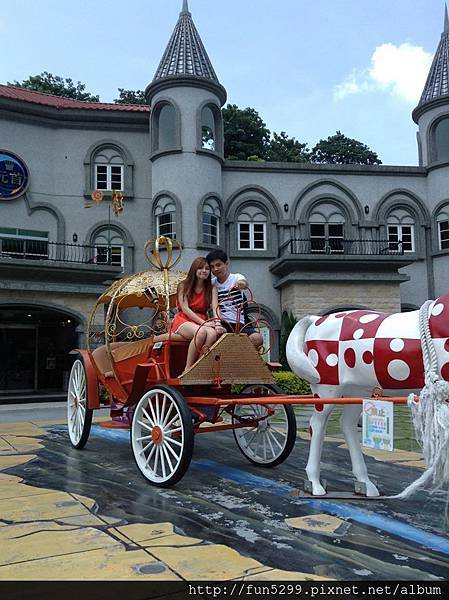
<point x="14" y="177"/>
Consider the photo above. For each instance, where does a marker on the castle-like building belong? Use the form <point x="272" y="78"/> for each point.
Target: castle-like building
<point x="310" y="238"/>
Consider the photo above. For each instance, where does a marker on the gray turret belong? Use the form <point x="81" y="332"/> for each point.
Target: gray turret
<point x="186" y="132"/>
<point x="432" y="112"/>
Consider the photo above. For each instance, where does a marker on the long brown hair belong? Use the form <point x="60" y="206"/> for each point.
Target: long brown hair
<point x="188" y="285"/>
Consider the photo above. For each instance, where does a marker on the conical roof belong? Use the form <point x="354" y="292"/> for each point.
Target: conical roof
<point x="437" y="84"/>
<point x="185" y="56"/>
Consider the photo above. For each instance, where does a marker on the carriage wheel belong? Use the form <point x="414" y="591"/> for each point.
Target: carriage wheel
<point x="162" y="436"/>
<point x="79" y="416"/>
<point x="271" y="441"/>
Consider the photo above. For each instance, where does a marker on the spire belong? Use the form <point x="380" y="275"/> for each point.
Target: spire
<point x="186" y="58"/>
<point x="185" y="53"/>
<point x="437" y="84"/>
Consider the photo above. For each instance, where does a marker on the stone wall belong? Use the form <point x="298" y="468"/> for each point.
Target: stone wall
<point x="320" y="297"/>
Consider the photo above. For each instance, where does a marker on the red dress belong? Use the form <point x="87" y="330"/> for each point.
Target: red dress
<point x="198" y="304"/>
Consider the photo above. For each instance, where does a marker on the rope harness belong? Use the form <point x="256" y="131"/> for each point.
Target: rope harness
<point x="430" y="414"/>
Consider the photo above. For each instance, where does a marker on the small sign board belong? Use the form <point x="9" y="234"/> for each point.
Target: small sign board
<point x="377" y="424"/>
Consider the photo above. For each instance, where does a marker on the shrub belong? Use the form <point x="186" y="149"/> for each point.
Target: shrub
<point x="291" y="383"/>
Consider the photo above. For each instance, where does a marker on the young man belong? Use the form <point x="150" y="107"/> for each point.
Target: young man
<point x="230" y="296"/>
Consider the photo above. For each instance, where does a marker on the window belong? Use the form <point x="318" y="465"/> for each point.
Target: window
<point x="327" y="237"/>
<point x="327" y="228"/>
<point x="108" y="170"/>
<point x="207" y="129"/>
<point x="252" y="236"/>
<point x="165" y="215"/>
<point x="401" y="231"/>
<point x="210" y="224"/>
<point x="443" y="229"/>
<point x="109" y="248"/>
<point x="165" y="132"/>
<point x="441" y="140"/>
<point x="252" y="229"/>
<point x="23" y="243"/>
<point x="398" y="234"/>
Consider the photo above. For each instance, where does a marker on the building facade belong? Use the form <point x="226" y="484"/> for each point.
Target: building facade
<point x="310" y="238"/>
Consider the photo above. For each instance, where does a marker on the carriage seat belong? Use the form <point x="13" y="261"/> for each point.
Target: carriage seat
<point x="124" y="350"/>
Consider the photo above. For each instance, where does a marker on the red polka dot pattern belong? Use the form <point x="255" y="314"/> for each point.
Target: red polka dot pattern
<point x="446" y="345"/>
<point x="350" y="357"/>
<point x="445" y="372"/>
<point x="367" y="357"/>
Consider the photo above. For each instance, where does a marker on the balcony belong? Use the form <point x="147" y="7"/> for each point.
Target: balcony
<point x="318" y="259"/>
<point x="56" y="264"/>
<point x="338" y="246"/>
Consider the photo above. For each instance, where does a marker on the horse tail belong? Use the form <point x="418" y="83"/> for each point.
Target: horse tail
<point x="297" y="358"/>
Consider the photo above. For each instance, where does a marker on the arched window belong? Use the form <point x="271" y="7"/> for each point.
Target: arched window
<point x="441" y="140"/>
<point x="401" y="231"/>
<point x="165" y="216"/>
<point x="165" y="129"/>
<point x="252" y="228"/>
<point x="327" y="228"/>
<point x="210" y="128"/>
<point x="108" y="169"/>
<point x="210" y="222"/>
<point x="443" y="228"/>
<point x="208" y="134"/>
<point x="109" y="248"/>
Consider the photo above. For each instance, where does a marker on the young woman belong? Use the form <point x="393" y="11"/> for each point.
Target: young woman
<point x="196" y="295"/>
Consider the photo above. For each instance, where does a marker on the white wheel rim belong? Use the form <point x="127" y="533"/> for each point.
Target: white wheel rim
<point x="76" y="402"/>
<point x="157" y="436"/>
<point x="265" y="442"/>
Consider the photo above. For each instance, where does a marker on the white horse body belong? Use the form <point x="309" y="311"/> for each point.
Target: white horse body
<point x="351" y="354"/>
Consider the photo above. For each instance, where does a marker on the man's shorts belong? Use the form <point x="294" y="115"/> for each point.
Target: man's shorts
<point x="231" y="327"/>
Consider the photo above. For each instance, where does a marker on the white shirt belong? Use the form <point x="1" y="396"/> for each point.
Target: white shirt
<point x="230" y="302"/>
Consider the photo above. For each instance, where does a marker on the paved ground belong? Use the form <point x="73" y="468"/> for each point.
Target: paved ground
<point x="68" y="514"/>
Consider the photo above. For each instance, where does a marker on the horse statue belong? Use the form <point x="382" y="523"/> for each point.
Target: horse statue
<point x="351" y="353"/>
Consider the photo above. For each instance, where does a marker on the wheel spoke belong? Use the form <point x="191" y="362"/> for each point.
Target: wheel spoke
<point x="156" y="460"/>
<point x="172" y="441"/>
<point x="170" y="449"/>
<point x="150" y="443"/>
<point x="164" y="422"/>
<point x="171" y="421"/>
<point x="148" y="417"/>
<point x="167" y="457"/>
<point x="267" y="437"/>
<point x="171" y="431"/>
<point x="145" y="426"/>
<point x="151" y="410"/>
<point x="273" y="437"/>
<point x="156" y="399"/>
<point x="150" y="455"/>
<point x="144" y="437"/>
<point x="162" y="456"/>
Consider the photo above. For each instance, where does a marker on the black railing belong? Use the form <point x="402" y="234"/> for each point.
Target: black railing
<point x="54" y="251"/>
<point x="336" y="246"/>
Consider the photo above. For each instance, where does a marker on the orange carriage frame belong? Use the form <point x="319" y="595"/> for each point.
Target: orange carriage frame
<point x="139" y="369"/>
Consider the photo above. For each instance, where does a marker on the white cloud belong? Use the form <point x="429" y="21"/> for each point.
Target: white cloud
<point x="400" y="70"/>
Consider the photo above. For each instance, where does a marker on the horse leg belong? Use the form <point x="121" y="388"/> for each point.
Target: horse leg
<point x="318" y="424"/>
<point x="349" y="420"/>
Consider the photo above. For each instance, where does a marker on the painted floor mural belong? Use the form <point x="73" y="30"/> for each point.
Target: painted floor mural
<point x="68" y="514"/>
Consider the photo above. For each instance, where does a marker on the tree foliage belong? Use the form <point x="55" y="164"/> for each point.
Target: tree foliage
<point x="285" y="149"/>
<point x="58" y="86"/>
<point x="341" y="150"/>
<point x="131" y="97"/>
<point x="245" y="133"/>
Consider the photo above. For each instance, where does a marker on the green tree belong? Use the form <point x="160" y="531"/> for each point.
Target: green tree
<point x="56" y="85"/>
<point x="285" y="149"/>
<point x="341" y="150"/>
<point x="245" y="133"/>
<point x="131" y="97"/>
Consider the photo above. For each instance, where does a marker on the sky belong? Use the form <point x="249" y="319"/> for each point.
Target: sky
<point x="308" y="68"/>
